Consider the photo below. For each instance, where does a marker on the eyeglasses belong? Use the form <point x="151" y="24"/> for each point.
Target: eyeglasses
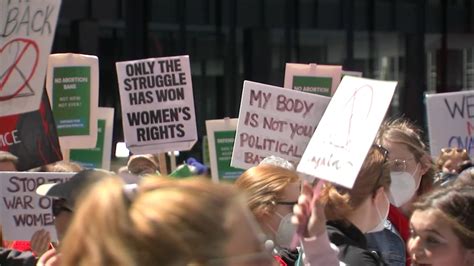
<point x="399" y="165"/>
<point x="284" y="202"/>
<point x="385" y="157"/>
<point x="58" y="206"/>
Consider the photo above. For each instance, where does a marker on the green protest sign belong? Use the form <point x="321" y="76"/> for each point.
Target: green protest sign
<point x="316" y="85"/>
<point x="71" y="100"/>
<point x="91" y="158"/>
<point x="224" y="144"/>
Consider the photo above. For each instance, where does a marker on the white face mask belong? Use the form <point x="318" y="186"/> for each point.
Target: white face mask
<point x="286" y="231"/>
<point x="403" y="187"/>
<point x="381" y="225"/>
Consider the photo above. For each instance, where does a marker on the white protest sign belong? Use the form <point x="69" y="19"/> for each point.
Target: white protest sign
<point x="26" y="36"/>
<point x="312" y="78"/>
<point x="157" y="102"/>
<point x="451" y="121"/>
<point x="275" y="121"/>
<point x="221" y="137"/>
<point x="100" y="155"/>
<point x="347" y="130"/>
<point x="73" y="88"/>
<point x="22" y="211"/>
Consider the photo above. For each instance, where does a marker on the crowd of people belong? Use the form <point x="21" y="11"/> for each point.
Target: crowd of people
<point x="405" y="208"/>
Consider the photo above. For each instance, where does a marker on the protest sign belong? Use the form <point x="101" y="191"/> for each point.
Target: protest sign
<point x="205" y="151"/>
<point x="347" y="130"/>
<point x="312" y="78"/>
<point x="450" y="121"/>
<point x="157" y="104"/>
<point x="23" y="212"/>
<point x="221" y="136"/>
<point x="26" y="36"/>
<point x="275" y="121"/>
<point x="72" y="82"/>
<point x="31" y="137"/>
<point x="98" y="157"/>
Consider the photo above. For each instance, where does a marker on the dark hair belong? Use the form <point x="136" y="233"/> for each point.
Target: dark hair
<point x="456" y="205"/>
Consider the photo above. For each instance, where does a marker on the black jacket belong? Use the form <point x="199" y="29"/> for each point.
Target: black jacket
<point x="352" y="244"/>
<point x="10" y="257"/>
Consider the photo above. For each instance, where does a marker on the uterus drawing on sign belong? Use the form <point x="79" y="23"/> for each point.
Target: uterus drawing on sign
<point x="18" y="62"/>
<point x="352" y="119"/>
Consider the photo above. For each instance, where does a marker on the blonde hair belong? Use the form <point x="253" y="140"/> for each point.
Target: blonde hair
<point x="403" y="131"/>
<point x="167" y="222"/>
<point x="264" y="185"/>
<point x="374" y="173"/>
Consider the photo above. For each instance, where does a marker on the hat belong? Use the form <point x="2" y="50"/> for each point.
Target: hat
<point x="73" y="187"/>
<point x="142" y="164"/>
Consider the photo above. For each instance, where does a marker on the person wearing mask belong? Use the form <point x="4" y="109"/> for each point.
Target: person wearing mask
<point x="164" y="222"/>
<point x="442" y="228"/>
<point x="411" y="172"/>
<point x="353" y="212"/>
<point x="272" y="189"/>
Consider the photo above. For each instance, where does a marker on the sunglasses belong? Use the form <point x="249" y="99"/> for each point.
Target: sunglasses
<point x="58" y="206"/>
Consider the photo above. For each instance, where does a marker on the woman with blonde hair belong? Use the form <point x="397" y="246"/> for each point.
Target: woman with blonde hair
<point x="353" y="212"/>
<point x="272" y="189"/>
<point x="163" y="222"/>
<point x="411" y="173"/>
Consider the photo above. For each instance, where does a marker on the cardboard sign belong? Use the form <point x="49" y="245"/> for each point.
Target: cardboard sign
<point x="347" y="130"/>
<point x="73" y="87"/>
<point x="26" y="36"/>
<point x="450" y="121"/>
<point x="31" y="137"/>
<point x="275" y="121"/>
<point x="157" y="102"/>
<point x="221" y="143"/>
<point x="312" y="78"/>
<point x="98" y="157"/>
<point x="23" y="212"/>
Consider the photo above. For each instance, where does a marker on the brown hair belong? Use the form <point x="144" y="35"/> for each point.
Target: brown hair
<point x="403" y="131"/>
<point x="456" y="205"/>
<point x="450" y="153"/>
<point x="167" y="222"/>
<point x="374" y="173"/>
<point x="264" y="185"/>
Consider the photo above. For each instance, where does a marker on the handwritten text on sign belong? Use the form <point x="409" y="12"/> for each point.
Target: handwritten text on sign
<point x="451" y="121"/>
<point x="26" y="34"/>
<point x="347" y="130"/>
<point x="157" y="100"/>
<point x="22" y="210"/>
<point x="275" y="121"/>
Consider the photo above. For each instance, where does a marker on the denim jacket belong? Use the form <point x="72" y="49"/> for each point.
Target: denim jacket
<point x="388" y="244"/>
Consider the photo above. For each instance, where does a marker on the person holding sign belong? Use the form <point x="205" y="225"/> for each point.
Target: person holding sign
<point x="164" y="222"/>
<point x="411" y="172"/>
<point x="442" y="228"/>
<point x="362" y="209"/>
